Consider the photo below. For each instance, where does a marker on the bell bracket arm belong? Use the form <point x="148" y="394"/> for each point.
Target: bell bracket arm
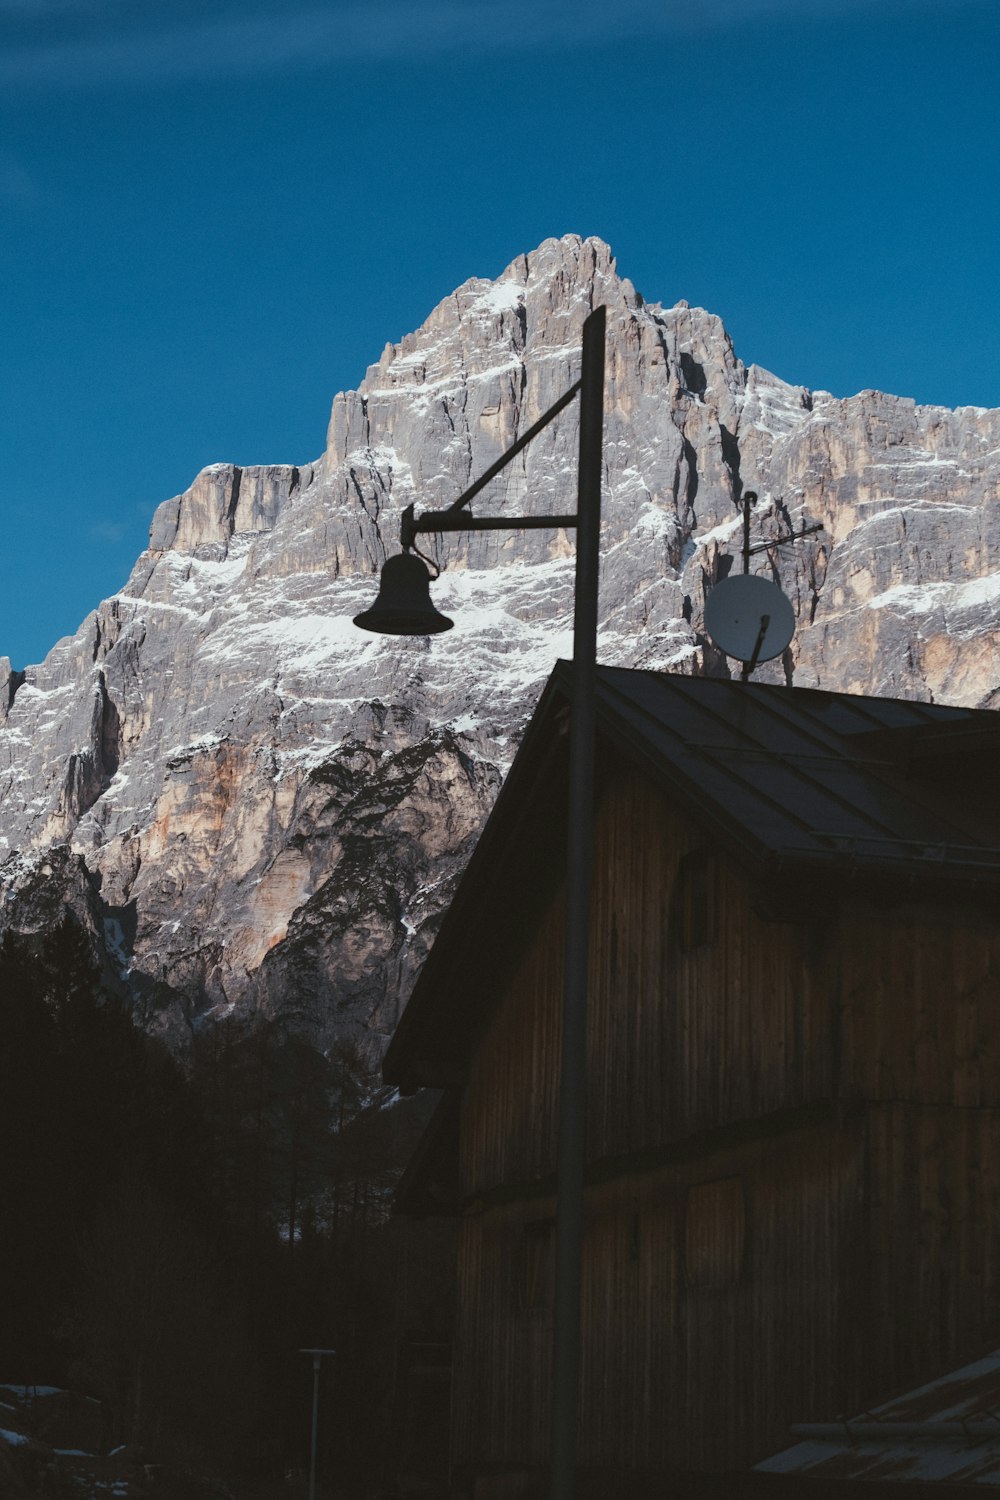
<point x="437" y="521"/>
<point x="453" y="519"/>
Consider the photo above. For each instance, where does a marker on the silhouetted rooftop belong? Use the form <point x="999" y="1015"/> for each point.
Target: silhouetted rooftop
<point x="814" y="791"/>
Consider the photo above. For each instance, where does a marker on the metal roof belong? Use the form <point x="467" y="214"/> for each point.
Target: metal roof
<point x="948" y="1430"/>
<point x="803" y="777"/>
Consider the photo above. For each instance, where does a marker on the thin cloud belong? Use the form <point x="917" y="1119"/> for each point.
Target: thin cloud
<point x="108" y="43"/>
<point x="111" y="532"/>
<point x="232" y="45"/>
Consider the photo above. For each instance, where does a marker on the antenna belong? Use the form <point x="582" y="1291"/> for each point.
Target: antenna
<point x="748" y="502"/>
<point x="747" y="616"/>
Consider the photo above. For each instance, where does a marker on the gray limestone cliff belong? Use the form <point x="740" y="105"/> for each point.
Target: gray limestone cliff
<point x="271" y="807"/>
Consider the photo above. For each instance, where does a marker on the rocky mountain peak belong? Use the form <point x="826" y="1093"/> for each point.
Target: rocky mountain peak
<point x="272" y="807"/>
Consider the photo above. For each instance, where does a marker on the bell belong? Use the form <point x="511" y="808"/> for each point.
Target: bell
<point x="404" y="606"/>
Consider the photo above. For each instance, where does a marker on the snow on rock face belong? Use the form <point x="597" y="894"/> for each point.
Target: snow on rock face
<point x="273" y="806"/>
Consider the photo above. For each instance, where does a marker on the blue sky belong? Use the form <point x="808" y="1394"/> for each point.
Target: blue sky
<point x="214" y="214"/>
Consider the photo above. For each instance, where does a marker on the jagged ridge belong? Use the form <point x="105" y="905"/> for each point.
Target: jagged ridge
<point x="272" y="807"/>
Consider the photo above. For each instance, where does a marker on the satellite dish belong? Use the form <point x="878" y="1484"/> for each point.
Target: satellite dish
<point x="749" y="618"/>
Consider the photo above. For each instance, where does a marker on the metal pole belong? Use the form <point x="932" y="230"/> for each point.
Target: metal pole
<point x="749" y="501"/>
<point x="315" y="1425"/>
<point x="317" y="1355"/>
<point x="579" y="860"/>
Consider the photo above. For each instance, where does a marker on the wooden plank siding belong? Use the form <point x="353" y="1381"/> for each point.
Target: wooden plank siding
<point x="869" y="1260"/>
<point x="932" y="1241"/>
<point x="793" y="1158"/>
<point x="920" y="1004"/>
<point x="678" y="1042"/>
<point x="678" y="1370"/>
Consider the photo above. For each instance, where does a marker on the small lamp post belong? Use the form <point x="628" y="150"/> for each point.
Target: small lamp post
<point x="404" y="607"/>
<point x="317" y="1356"/>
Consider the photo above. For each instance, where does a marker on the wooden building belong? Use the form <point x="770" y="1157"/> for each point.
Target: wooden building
<point x="793" y="1184"/>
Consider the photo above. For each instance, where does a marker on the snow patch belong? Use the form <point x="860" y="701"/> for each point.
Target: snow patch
<point x="721" y="533"/>
<point x="501" y="297"/>
<point x="114" y="937"/>
<point x="199" y="746"/>
<point x="949" y="599"/>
